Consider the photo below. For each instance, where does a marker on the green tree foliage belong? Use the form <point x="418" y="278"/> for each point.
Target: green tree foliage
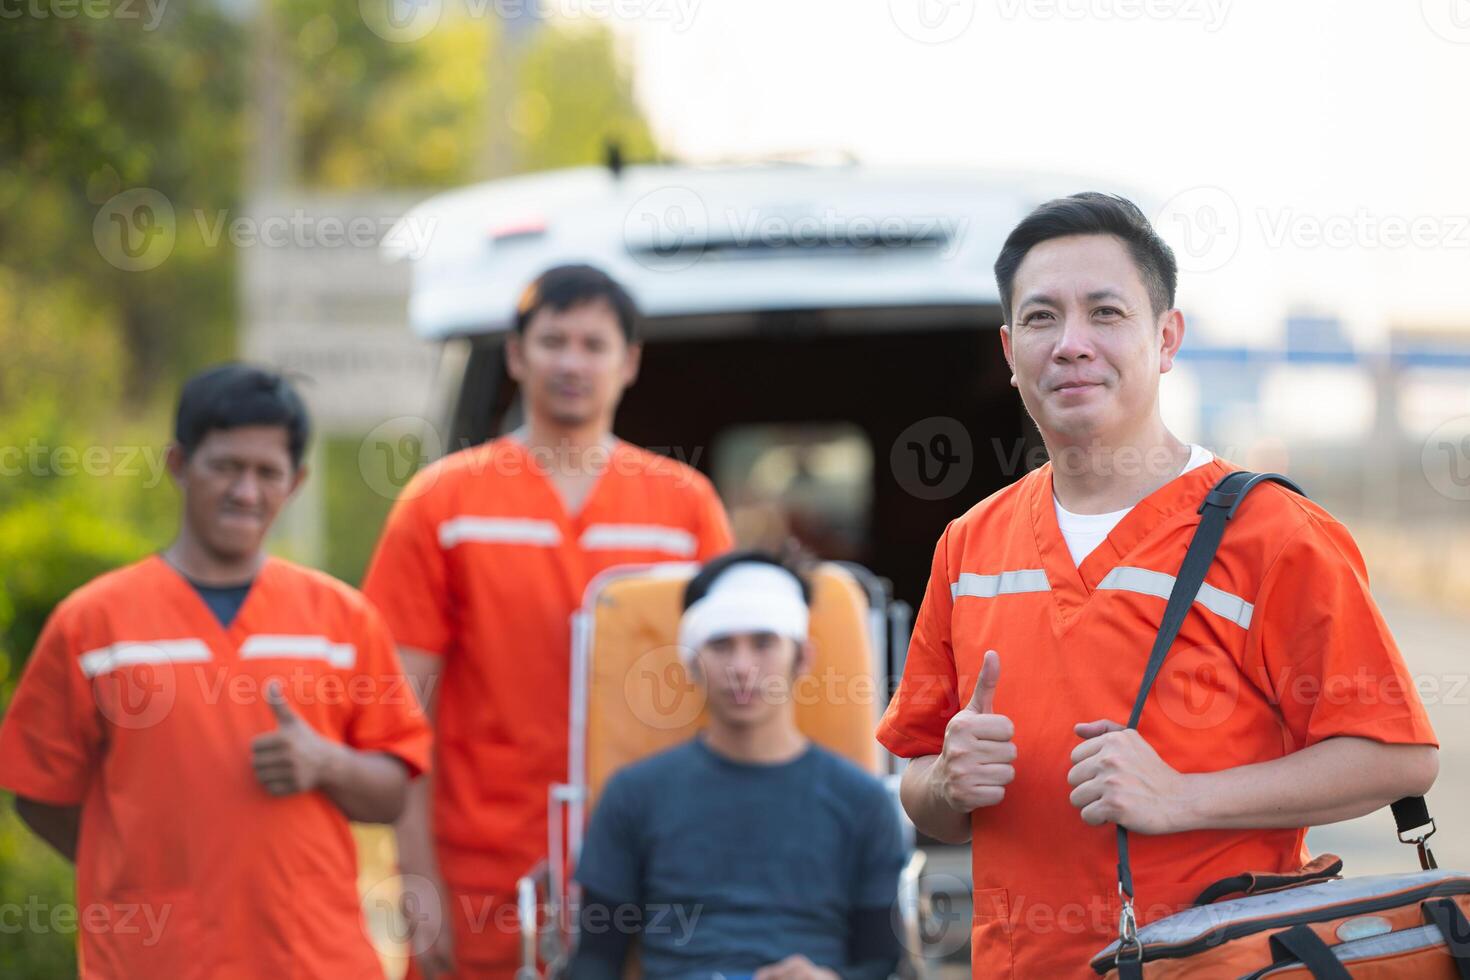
<point x="97" y="105"/>
<point x="574" y="96"/>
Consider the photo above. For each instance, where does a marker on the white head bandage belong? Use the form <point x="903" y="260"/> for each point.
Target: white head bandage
<point x="748" y="597"/>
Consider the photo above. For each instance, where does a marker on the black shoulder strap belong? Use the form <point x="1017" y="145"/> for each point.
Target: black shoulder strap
<point x="1218" y="507"/>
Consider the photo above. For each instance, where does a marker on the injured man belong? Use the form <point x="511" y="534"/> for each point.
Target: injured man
<point x="746" y="852"/>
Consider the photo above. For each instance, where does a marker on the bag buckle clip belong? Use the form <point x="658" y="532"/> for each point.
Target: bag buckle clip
<point x="1128" y="931"/>
<point x="1412" y="836"/>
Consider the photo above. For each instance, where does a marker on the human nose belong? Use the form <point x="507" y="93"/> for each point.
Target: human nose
<point x="246" y="489"/>
<point x="743" y="660"/>
<point x="1075" y="341"/>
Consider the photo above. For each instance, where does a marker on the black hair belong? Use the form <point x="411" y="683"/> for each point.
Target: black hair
<point x="232" y="395"/>
<point x="705" y="578"/>
<point x="566" y="286"/>
<point x="1092" y="213"/>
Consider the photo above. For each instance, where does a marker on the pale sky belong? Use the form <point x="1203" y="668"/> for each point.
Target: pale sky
<point x="1300" y="119"/>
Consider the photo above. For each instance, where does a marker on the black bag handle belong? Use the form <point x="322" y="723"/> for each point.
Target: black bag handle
<point x="1446" y="915"/>
<point x="1220" y="504"/>
<point x="1304" y="946"/>
<point x="1300" y="944"/>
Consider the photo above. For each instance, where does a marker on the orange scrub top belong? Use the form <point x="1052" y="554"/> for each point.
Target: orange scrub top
<point x="1284" y="647"/>
<point x="137" y="705"/>
<point x="481" y="563"/>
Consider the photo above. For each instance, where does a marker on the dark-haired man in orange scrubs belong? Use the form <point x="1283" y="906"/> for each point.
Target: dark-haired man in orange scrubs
<point x="196" y="730"/>
<point x="484" y="558"/>
<point x="1284" y="702"/>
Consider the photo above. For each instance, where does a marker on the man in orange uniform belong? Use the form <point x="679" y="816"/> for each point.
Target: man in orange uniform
<point x="1284" y="702"/>
<point x="195" y="730"/>
<point x="484" y="558"/>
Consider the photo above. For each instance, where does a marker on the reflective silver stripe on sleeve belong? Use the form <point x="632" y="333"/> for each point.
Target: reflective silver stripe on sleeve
<point x="1004" y="583"/>
<point x="1148" y="582"/>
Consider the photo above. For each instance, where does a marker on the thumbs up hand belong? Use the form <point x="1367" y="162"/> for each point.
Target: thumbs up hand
<point x="975" y="767"/>
<point x="983" y="700"/>
<point x="293" y="758"/>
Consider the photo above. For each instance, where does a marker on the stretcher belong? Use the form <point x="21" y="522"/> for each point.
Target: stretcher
<point x="631" y="698"/>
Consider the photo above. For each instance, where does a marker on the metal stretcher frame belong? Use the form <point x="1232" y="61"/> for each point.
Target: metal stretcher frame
<point x="546" y="895"/>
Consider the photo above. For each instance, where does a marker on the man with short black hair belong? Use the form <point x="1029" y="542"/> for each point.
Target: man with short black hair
<point x="567" y="286"/>
<point x="484" y="558"/>
<point x="747" y="851"/>
<point x="1283" y="678"/>
<point x="196" y="730"/>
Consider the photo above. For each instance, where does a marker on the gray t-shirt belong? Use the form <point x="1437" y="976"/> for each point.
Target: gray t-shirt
<point x="738" y="866"/>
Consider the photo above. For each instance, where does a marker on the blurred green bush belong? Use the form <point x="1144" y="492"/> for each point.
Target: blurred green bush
<point x="36" y="894"/>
